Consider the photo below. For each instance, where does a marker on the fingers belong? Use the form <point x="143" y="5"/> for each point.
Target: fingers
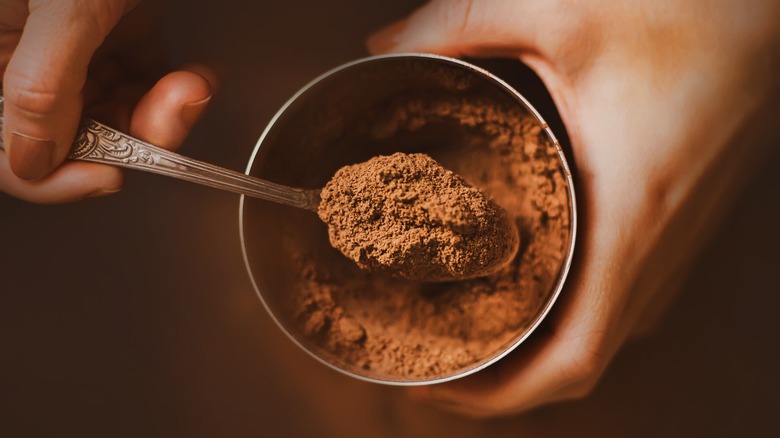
<point x="73" y="181"/>
<point x="564" y="363"/>
<point x="559" y="369"/>
<point x="163" y="116"/>
<point x="464" y="27"/>
<point x="44" y="80"/>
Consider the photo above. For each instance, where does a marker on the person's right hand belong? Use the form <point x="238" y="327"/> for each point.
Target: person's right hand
<point x="57" y="62"/>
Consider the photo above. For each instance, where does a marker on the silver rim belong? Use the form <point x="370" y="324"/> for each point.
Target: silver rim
<point x="572" y="217"/>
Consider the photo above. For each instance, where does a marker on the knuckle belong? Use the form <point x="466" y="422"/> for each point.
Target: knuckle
<point x="26" y="94"/>
<point x="100" y="16"/>
<point x="95" y="17"/>
<point x="585" y="361"/>
<point x="456" y="15"/>
<point x="487" y="410"/>
<point x="506" y="401"/>
<point x="660" y="196"/>
<point x="495" y="407"/>
<point x="584" y="388"/>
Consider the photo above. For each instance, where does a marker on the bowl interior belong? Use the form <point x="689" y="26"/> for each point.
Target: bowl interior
<point x="470" y="123"/>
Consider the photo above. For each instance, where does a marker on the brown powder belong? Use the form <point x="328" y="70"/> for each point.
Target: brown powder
<point x="406" y="215"/>
<point x="388" y="328"/>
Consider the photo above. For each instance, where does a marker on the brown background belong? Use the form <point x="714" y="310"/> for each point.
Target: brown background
<point x="133" y="315"/>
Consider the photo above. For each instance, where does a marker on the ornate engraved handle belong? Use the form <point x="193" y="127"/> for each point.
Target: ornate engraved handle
<point x="99" y="143"/>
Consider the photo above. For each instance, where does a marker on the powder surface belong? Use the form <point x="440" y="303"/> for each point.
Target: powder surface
<point x="406" y="215"/>
<point x="384" y="327"/>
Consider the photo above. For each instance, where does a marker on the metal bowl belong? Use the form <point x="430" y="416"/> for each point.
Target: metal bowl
<point x="322" y="128"/>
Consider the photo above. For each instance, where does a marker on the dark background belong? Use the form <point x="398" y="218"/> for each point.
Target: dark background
<point x="133" y="315"/>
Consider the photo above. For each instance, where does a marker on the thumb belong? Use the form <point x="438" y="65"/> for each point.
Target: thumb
<point x="464" y="27"/>
<point x="45" y="77"/>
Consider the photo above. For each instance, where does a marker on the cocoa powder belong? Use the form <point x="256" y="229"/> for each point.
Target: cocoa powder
<point x="406" y="215"/>
<point x="388" y="328"/>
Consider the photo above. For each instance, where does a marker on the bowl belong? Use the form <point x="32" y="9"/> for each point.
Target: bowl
<point x="383" y="329"/>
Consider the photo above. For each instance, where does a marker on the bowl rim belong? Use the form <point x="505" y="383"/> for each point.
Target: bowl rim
<point x="563" y="273"/>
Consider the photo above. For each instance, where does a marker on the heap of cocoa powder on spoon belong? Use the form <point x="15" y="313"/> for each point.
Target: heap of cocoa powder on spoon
<point x="406" y="215"/>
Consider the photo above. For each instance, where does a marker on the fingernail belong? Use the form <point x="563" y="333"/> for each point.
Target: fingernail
<point x="30" y="158"/>
<point x="192" y="111"/>
<point x="99" y="193"/>
<point x="386" y="39"/>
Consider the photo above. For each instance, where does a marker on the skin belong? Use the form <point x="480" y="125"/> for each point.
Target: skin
<point x="61" y="58"/>
<point x="669" y="106"/>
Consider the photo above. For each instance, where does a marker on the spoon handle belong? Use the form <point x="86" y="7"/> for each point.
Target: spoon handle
<point x="98" y="143"/>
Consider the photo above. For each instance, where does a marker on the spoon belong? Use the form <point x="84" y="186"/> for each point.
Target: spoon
<point x="98" y="143"/>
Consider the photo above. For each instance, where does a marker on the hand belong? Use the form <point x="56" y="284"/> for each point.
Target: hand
<point x="58" y="63"/>
<point x="667" y="105"/>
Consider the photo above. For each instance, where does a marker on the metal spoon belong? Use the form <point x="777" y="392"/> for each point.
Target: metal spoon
<point x="98" y="143"/>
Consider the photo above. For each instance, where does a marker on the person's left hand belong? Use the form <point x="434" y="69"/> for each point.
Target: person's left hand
<point x="667" y="113"/>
